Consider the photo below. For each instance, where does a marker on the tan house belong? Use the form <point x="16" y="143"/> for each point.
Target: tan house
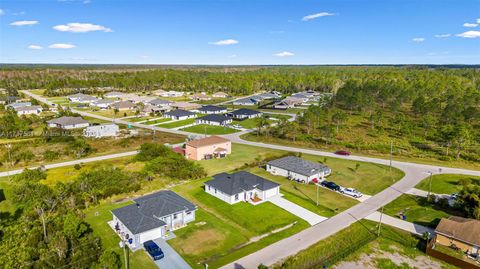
<point x="208" y="148"/>
<point x="200" y="97"/>
<point x="460" y="233"/>
<point x="185" y="106"/>
<point x="219" y="95"/>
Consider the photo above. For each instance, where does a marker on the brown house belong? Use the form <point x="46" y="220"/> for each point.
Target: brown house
<point x="459" y="232"/>
<point x="208" y="148"/>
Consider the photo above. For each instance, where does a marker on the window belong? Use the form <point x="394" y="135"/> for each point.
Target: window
<point x="236" y="197"/>
<point x="208" y="187"/>
<point x="215" y="190"/>
<point x="189" y="213"/>
<point x="175" y="216"/>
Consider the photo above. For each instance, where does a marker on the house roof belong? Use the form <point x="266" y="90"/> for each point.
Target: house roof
<point x="179" y="113"/>
<point x="159" y="102"/>
<point x="215" y="118"/>
<point x="245" y="111"/>
<point x="462" y="229"/>
<point x="27" y="108"/>
<point x="211" y="108"/>
<point x="247" y="100"/>
<point x="185" y="105"/>
<point x="145" y="214"/>
<point x="113" y="93"/>
<point x="103" y="101"/>
<point x="67" y="121"/>
<point x="123" y="104"/>
<point x="239" y="182"/>
<point x="200" y="95"/>
<point x="219" y="94"/>
<point x="299" y="165"/>
<point x="207" y="141"/>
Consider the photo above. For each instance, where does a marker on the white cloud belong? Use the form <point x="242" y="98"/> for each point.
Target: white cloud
<point x="443" y="35"/>
<point x="76" y="27"/>
<point x="467" y="24"/>
<point x="418" y="39"/>
<point x="2" y="12"/>
<point x="225" y="42"/>
<point x="469" y="34"/>
<point x="478" y="20"/>
<point x="23" y="23"/>
<point x="61" y="46"/>
<point x="35" y="47"/>
<point x="284" y="54"/>
<point x="316" y="15"/>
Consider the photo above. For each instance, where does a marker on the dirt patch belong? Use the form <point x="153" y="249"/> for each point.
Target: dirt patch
<point x="202" y="241"/>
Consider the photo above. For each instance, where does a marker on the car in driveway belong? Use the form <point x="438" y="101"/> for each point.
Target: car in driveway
<point x="342" y="152"/>
<point x="153" y="250"/>
<point x="331" y="185"/>
<point x="351" y="192"/>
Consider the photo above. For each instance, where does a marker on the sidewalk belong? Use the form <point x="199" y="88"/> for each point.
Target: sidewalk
<point x="400" y="224"/>
<point x="297" y="210"/>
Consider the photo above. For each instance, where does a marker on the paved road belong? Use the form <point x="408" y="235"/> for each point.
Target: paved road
<point x="271" y="254"/>
<point x="401" y="224"/>
<point x="297" y="210"/>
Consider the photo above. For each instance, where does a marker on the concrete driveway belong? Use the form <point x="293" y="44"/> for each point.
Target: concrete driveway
<point x="297" y="210"/>
<point x="172" y="259"/>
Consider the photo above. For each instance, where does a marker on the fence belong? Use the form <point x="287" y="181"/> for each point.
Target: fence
<point x="447" y="258"/>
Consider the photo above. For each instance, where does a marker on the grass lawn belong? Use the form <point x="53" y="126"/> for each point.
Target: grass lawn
<point x="446" y="183"/>
<point x="98" y="217"/>
<point x="418" y="210"/>
<point x="110" y="113"/>
<point x="6" y="205"/>
<point x="139" y="118"/>
<point x="156" y="120"/>
<point x="176" y="124"/>
<point x="209" y="129"/>
<point x="249" y="123"/>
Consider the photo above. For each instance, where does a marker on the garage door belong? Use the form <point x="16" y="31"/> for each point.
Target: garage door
<point x="150" y="235"/>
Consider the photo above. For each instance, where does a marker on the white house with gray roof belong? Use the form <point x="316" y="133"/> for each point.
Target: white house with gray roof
<point x="68" y="123"/>
<point x="151" y="217"/>
<point x="28" y="110"/>
<point x="241" y="187"/>
<point x="298" y="169"/>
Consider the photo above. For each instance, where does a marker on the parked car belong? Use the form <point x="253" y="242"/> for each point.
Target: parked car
<point x="153" y="250"/>
<point x="352" y="192"/>
<point x="330" y="185"/>
<point x="342" y="152"/>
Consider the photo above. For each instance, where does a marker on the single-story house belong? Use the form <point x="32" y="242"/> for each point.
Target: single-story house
<point x="214" y="119"/>
<point x="301" y="96"/>
<point x="160" y="103"/>
<point x="208" y="148"/>
<point x="19" y="104"/>
<point x="113" y="94"/>
<point x="179" y="114"/>
<point x="185" y="106"/>
<point x="268" y="95"/>
<point x="8" y="99"/>
<point x="246" y="102"/>
<point x="219" y="95"/>
<point x="144" y="99"/>
<point x="103" y="130"/>
<point x="210" y="109"/>
<point x="244" y="113"/>
<point x="299" y="169"/>
<point x="168" y="94"/>
<point x="68" y="123"/>
<point x="129" y="97"/>
<point x="103" y="103"/>
<point x="28" y="110"/>
<point x="288" y="102"/>
<point x="151" y="217"/>
<point x="82" y="98"/>
<point x="200" y="97"/>
<point x="460" y="232"/>
<point x="241" y="187"/>
<point x="123" y="105"/>
<point x="148" y="109"/>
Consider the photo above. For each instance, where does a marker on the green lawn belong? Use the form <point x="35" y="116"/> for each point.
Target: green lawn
<point x="446" y="183"/>
<point x="6" y="205"/>
<point x="418" y="210"/>
<point x="98" y="217"/>
<point x="156" y="120"/>
<point x="249" y="123"/>
<point x="176" y="124"/>
<point x="209" y="129"/>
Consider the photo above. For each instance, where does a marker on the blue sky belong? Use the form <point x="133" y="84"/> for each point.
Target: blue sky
<point x="240" y="32"/>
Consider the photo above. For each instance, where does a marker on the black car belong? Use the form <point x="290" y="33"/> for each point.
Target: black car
<point x="330" y="185"/>
<point x="153" y="250"/>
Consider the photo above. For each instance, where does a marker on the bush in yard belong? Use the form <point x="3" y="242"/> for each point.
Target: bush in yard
<point x="149" y="151"/>
<point x="50" y="155"/>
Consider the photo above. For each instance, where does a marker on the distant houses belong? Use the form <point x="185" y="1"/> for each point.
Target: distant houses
<point x="214" y="119"/>
<point x="208" y="148"/>
<point x="241" y="187"/>
<point x="168" y="93"/>
<point x="103" y="103"/>
<point x="113" y="94"/>
<point x="123" y="105"/>
<point x="180" y="114"/>
<point x="68" y="123"/>
<point x="244" y="113"/>
<point x="103" y="130"/>
<point x="18" y="104"/>
<point x="151" y="217"/>
<point x="219" y="95"/>
<point x="200" y="97"/>
<point x="28" y="110"/>
<point x="246" y="102"/>
<point x="82" y="98"/>
<point x="185" y="106"/>
<point x="298" y="169"/>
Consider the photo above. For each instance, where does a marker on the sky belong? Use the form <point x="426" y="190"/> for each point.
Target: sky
<point x="240" y="32"/>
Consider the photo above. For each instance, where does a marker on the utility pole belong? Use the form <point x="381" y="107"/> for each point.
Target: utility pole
<point x="9" y="146"/>
<point x="429" y="186"/>
<point x="317" y="192"/>
<point x="380" y="223"/>
<point x="124" y="240"/>
<point x="391" y="152"/>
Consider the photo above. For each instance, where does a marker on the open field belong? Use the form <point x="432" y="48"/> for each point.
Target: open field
<point x="418" y="210"/>
<point x="446" y="183"/>
<point x="176" y="124"/>
<point x="210" y="129"/>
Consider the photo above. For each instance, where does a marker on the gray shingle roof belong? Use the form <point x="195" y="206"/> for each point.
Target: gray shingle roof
<point x="299" y="165"/>
<point x="210" y="108"/>
<point x="159" y="102"/>
<point x="245" y="111"/>
<point x="215" y="118"/>
<point x="63" y="121"/>
<point x="179" y="113"/>
<point x="145" y="214"/>
<point x="232" y="184"/>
